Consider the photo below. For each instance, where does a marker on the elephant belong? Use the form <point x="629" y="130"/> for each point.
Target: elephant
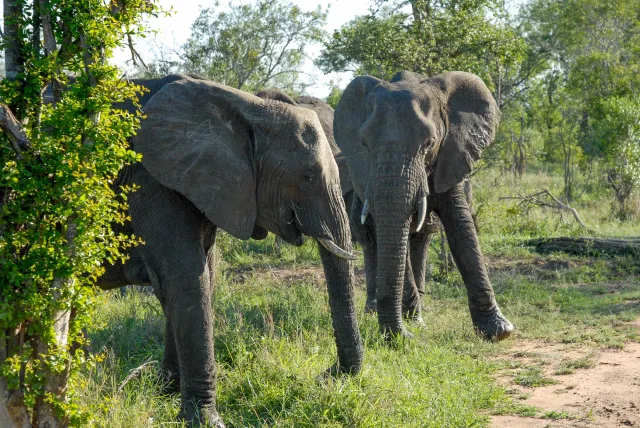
<point x="325" y="115"/>
<point x="217" y="157"/>
<point x="409" y="143"/>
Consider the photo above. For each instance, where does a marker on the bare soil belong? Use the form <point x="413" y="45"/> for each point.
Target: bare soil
<point x="604" y="392"/>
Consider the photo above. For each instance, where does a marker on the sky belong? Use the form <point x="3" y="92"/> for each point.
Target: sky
<point x="174" y="30"/>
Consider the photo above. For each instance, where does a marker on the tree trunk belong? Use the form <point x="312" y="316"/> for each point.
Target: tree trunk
<point x="13" y="56"/>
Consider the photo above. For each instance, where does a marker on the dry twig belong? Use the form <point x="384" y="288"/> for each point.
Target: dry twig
<point x="135" y="56"/>
<point x="136" y="372"/>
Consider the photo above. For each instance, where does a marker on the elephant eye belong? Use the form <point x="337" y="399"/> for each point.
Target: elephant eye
<point x="428" y="144"/>
<point x="307" y="178"/>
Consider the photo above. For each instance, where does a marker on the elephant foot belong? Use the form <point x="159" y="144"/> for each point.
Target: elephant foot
<point x="199" y="415"/>
<point x="395" y="334"/>
<point x="336" y="370"/>
<point x="371" y="306"/>
<point x="492" y="325"/>
<point x="411" y="311"/>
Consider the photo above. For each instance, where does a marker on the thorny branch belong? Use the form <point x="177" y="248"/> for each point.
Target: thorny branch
<point x="538" y="199"/>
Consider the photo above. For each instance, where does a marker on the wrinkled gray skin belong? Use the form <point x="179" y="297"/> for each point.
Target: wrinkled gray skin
<point x="218" y="157"/>
<point x="406" y="139"/>
<point x="325" y="115"/>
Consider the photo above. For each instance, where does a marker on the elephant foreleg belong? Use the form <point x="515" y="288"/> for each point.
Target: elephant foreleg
<point x="366" y="236"/>
<point x="453" y="210"/>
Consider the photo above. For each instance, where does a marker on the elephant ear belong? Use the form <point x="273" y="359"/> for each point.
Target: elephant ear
<point x="472" y="117"/>
<point x="197" y="139"/>
<point x="345" y="180"/>
<point x="349" y="117"/>
<point x="325" y="114"/>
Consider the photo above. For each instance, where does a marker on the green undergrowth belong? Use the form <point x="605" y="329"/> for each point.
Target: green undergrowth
<point x="273" y="335"/>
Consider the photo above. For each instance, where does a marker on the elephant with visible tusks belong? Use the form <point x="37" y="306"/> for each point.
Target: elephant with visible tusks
<point x="325" y="115"/>
<point x="409" y="143"/>
<point x="216" y="157"/>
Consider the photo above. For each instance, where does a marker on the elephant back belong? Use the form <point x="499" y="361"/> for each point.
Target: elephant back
<point x="152" y="86"/>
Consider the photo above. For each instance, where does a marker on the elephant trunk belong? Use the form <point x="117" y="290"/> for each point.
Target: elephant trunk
<point x="397" y="191"/>
<point x="339" y="274"/>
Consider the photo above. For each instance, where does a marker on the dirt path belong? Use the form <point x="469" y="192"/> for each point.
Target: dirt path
<point x="603" y="390"/>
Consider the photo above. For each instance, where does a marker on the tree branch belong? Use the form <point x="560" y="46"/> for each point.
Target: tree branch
<point x="535" y="199"/>
<point x="135" y="56"/>
<point x="12" y="128"/>
<point x="50" y="43"/>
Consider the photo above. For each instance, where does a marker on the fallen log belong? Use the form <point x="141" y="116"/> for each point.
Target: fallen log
<point x="587" y="245"/>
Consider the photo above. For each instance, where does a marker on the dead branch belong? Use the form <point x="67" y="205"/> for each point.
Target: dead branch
<point x="136" y="372"/>
<point x="538" y="199"/>
<point x="135" y="56"/>
<point x="12" y="128"/>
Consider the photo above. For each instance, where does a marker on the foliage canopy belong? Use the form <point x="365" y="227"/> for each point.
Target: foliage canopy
<point x="251" y="47"/>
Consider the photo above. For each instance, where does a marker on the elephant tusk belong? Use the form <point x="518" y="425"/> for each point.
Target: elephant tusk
<point x="422" y="212"/>
<point x="365" y="211"/>
<point x="335" y="250"/>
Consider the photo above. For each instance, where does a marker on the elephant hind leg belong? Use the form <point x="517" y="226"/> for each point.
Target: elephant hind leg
<point x="419" y="250"/>
<point x="410" y="295"/>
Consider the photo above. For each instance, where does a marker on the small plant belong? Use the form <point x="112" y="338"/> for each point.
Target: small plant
<point x="532" y="377"/>
<point x="557" y="415"/>
<point x="569" y="367"/>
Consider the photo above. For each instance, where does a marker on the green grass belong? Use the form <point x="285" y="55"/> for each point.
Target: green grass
<point x="274" y="339"/>
<point x="568" y="367"/>
<point x="532" y="377"/>
<point x="272" y="343"/>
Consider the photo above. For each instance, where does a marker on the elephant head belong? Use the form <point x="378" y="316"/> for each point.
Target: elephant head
<point x="248" y="163"/>
<point x="325" y="115"/>
<point x="395" y="135"/>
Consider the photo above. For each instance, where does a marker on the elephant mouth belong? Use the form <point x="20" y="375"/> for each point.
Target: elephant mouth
<point x="291" y="232"/>
<point x="296" y="237"/>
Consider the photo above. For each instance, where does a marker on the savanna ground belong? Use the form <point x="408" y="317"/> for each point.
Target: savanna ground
<point x="573" y="360"/>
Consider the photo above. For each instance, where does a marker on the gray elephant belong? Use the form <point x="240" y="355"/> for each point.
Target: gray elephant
<point x="409" y="143"/>
<point x="325" y="115"/>
<point x="216" y="157"/>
